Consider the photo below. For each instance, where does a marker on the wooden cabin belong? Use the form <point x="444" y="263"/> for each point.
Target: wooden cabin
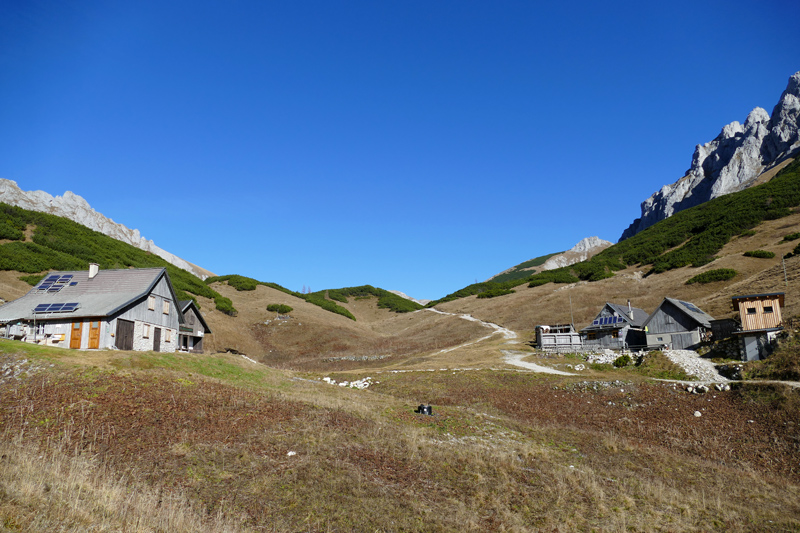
<point x="130" y="309"/>
<point x="559" y="338"/>
<point x="616" y="327"/>
<point x="677" y="325"/>
<point x="761" y="320"/>
<point x="193" y="329"/>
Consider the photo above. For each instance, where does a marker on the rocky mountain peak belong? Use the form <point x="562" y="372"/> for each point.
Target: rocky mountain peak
<point x="582" y="251"/>
<point x="730" y="162"/>
<point x="77" y="209"/>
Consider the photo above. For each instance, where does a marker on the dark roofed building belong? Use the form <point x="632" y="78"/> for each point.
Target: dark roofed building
<point x="678" y="325"/>
<point x="131" y="309"/>
<point x="616" y="327"/>
<point x="194" y="328"/>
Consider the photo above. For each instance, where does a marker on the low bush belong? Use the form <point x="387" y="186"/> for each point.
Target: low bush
<point x="763" y="254"/>
<point x="791" y="237"/>
<point x="622" y="361"/>
<point x="710" y="276"/>
<point x="494" y="292"/>
<point x="281" y="309"/>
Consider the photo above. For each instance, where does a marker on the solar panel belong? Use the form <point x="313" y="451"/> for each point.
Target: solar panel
<point x="73" y="283"/>
<point x="65" y="278"/>
<point x="45" y="286"/>
<point x="55" y="288"/>
<point x="69" y="307"/>
<point x="55" y="308"/>
<point x="41" y="308"/>
<point x="51" y="279"/>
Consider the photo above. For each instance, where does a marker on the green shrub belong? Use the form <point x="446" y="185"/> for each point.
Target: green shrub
<point x="719" y="274"/>
<point x="622" y="361"/>
<point x="791" y="237"/>
<point x="657" y="365"/>
<point x="763" y="254"/>
<point x="794" y="252"/>
<point x="748" y="233"/>
<point x="337" y="295"/>
<point x="33" y="279"/>
<point x="495" y="291"/>
<point x="281" y="309"/>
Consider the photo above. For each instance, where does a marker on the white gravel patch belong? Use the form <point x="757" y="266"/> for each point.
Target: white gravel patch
<point x="693" y="365"/>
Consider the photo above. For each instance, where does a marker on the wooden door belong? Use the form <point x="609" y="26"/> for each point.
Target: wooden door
<point x="124" y="334"/>
<point x="94" y="334"/>
<point x="75" y="335"/>
<point x="156" y="339"/>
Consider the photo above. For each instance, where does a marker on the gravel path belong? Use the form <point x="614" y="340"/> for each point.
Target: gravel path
<point x="507" y="333"/>
<point x="515" y="358"/>
<point x="694" y="365"/>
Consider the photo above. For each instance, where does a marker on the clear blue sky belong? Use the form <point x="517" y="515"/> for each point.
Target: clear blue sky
<point x="411" y="145"/>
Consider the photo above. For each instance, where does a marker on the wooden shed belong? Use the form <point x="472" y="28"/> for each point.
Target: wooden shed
<point x="560" y="338"/>
<point x="761" y="320"/>
<point x="678" y="325"/>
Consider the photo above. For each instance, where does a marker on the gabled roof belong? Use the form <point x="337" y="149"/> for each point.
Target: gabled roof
<point x="107" y="293"/>
<point x="635" y="318"/>
<point x="186" y="304"/>
<point x="687" y="308"/>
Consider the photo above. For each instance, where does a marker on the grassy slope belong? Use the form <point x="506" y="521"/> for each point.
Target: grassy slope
<point x="206" y="440"/>
<point x="57" y="243"/>
<point x="692" y="237"/>
<point x="522" y="270"/>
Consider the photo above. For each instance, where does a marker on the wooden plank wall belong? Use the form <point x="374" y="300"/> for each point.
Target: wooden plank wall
<point x="760" y="319"/>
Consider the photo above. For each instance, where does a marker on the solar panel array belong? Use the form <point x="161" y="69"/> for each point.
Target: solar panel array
<point x="55" y="283"/>
<point x="56" y="308"/>
<point x="608" y="320"/>
<point x="690" y="307"/>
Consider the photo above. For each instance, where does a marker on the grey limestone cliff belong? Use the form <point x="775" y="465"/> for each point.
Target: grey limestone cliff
<point x="732" y="161"/>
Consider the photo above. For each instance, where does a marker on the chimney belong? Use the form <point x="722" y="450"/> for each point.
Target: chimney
<point x="94" y="268"/>
<point x="630" y="309"/>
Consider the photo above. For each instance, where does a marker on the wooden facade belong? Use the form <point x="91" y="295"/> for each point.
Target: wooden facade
<point x="616" y="327"/>
<point x="759" y="311"/>
<point x="193" y="329"/>
<point x="678" y="325"/>
<point x="559" y="338"/>
<point x="761" y="320"/>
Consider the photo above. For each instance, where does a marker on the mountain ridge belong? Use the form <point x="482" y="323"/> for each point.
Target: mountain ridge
<point x="76" y="208"/>
<point x="732" y="161"/>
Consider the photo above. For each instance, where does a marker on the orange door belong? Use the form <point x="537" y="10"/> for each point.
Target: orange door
<point x="77" y="333"/>
<point x="94" y="334"/>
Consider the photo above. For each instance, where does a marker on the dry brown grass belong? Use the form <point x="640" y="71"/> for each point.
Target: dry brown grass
<point x="504" y="450"/>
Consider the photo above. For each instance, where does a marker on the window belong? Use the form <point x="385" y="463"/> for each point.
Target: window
<point x="151" y="303"/>
<point x="592" y="335"/>
<point x="660" y="339"/>
<point x="146" y="331"/>
<point x="166" y="307"/>
<point x="751" y="310"/>
<point x="767" y="308"/>
<point x="167" y="335"/>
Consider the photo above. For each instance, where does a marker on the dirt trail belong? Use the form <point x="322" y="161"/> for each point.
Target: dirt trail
<point x="507" y="333"/>
<point x="515" y="358"/>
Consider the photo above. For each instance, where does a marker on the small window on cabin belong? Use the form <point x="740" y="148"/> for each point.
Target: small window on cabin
<point x="592" y="335"/>
<point x="767" y="308"/>
<point x="151" y="303"/>
<point x="166" y="307"/>
<point x="146" y="331"/>
<point x="660" y="339"/>
<point x="751" y="310"/>
<point x="168" y="335"/>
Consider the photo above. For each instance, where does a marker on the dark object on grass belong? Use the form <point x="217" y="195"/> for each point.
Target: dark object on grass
<point x="424" y="410"/>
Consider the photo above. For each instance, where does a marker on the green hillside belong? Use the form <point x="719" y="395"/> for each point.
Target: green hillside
<point x="327" y="299"/>
<point x="691" y="237"/>
<point x="61" y="244"/>
<point x="521" y="270"/>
